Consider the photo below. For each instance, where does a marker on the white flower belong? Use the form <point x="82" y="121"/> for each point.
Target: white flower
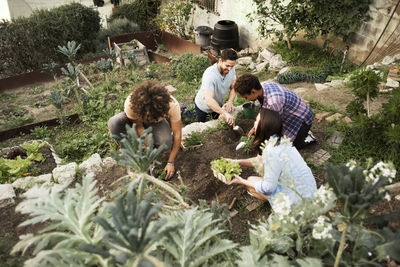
<point x="282" y="205"/>
<point x="387" y="197"/>
<point x="325" y="195"/>
<point x="286" y="141"/>
<point x="322" y="229"/>
<point x="351" y="164"/>
<point x="380" y="169"/>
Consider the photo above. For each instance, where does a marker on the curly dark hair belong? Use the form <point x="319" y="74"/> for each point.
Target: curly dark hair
<point x="150" y="100"/>
<point x="245" y="83"/>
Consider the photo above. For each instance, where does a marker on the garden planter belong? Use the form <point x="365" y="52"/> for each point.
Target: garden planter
<point x="127" y="51"/>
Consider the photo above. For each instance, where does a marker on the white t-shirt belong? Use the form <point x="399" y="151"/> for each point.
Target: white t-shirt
<point x="213" y="80"/>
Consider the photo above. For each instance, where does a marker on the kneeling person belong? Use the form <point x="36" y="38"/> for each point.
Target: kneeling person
<point x="150" y="104"/>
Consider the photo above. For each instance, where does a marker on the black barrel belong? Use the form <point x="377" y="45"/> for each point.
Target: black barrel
<point x="225" y="35"/>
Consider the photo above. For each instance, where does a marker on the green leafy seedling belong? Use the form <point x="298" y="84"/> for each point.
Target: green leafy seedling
<point x="226" y="167"/>
<point x="193" y="139"/>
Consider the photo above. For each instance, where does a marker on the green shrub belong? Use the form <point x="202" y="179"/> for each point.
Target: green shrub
<point x="28" y="43"/>
<point x="140" y="12"/>
<point x="189" y="67"/>
<point x="117" y="26"/>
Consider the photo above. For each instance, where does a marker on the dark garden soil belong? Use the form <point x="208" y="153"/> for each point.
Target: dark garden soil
<point x="194" y="168"/>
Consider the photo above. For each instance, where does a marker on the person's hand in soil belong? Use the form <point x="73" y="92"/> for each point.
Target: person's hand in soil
<point x="170" y="170"/>
<point x="228" y="106"/>
<point x="251" y="132"/>
<point x="230" y="120"/>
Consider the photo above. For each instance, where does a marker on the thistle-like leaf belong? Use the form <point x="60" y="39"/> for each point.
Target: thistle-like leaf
<point x="197" y="241"/>
<point x="69" y="211"/>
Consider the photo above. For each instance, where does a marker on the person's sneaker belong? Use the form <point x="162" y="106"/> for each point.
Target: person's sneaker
<point x="310" y="139"/>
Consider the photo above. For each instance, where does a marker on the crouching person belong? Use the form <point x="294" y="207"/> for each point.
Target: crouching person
<point x="150" y="105"/>
<point x="284" y="170"/>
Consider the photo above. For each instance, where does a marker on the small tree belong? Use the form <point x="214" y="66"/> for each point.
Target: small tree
<point x="286" y="18"/>
<point x="279" y="18"/>
<point x="364" y="84"/>
<point x="174" y="17"/>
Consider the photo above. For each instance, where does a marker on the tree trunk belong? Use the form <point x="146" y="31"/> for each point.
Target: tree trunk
<point x="289" y="42"/>
<point x="368" y="108"/>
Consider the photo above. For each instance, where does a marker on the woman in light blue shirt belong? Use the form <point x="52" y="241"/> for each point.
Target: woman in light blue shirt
<point x="283" y="168"/>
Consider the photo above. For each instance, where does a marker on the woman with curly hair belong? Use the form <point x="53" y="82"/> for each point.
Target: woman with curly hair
<point x="150" y="104"/>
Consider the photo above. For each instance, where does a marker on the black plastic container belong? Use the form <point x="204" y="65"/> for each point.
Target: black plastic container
<point x="225" y="35"/>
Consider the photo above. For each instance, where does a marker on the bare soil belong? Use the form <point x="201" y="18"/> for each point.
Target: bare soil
<point x="194" y="168"/>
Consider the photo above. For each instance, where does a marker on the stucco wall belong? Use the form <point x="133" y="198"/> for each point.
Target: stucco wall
<point x="18" y="8"/>
<point x="4" y="10"/>
<point x="235" y="10"/>
<point x="361" y="44"/>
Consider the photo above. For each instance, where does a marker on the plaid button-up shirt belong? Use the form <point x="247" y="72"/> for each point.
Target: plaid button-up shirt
<point x="292" y="108"/>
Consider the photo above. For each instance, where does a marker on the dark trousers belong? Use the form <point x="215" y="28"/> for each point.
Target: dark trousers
<point x="301" y="136"/>
<point x="204" y="116"/>
<point x="161" y="130"/>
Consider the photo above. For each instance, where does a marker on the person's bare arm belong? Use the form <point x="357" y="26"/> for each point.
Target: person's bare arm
<point x="253" y="130"/>
<point x="228" y="106"/>
<point x="213" y="104"/>
<point x="176" y="128"/>
<point x="245" y="162"/>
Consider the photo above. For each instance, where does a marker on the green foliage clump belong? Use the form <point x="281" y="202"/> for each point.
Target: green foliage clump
<point x="193" y="139"/>
<point x="11" y="169"/>
<point x="248" y="143"/>
<point x="308" y="55"/>
<point x="174" y="17"/>
<point x="141" y="12"/>
<point x="116" y="27"/>
<point x="364" y="85"/>
<point x="189" y="67"/>
<point x="310" y="76"/>
<point x="226" y="167"/>
<point x="284" y="19"/>
<point x="28" y="43"/>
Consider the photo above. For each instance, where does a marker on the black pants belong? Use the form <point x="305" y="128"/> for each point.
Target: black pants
<point x="301" y="136"/>
<point x="204" y="116"/>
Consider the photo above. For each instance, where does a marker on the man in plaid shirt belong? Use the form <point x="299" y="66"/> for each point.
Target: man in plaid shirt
<point x="296" y="115"/>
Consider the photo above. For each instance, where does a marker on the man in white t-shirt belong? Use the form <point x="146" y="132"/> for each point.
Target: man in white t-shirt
<point x="217" y="80"/>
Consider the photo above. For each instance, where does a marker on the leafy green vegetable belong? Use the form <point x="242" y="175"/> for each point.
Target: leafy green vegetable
<point x="193" y="139"/>
<point x="248" y="143"/>
<point x="226" y="167"/>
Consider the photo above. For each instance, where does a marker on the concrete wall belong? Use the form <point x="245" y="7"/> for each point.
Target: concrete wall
<point x="362" y="41"/>
<point x="17" y="8"/>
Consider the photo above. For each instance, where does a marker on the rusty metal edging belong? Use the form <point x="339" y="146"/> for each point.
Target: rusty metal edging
<point x="26" y="129"/>
<point x="174" y="43"/>
<point x="31" y="78"/>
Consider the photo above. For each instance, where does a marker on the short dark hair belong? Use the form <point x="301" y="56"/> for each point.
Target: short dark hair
<point x="245" y="83"/>
<point x="270" y="124"/>
<point x="150" y="100"/>
<point x="228" y="54"/>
